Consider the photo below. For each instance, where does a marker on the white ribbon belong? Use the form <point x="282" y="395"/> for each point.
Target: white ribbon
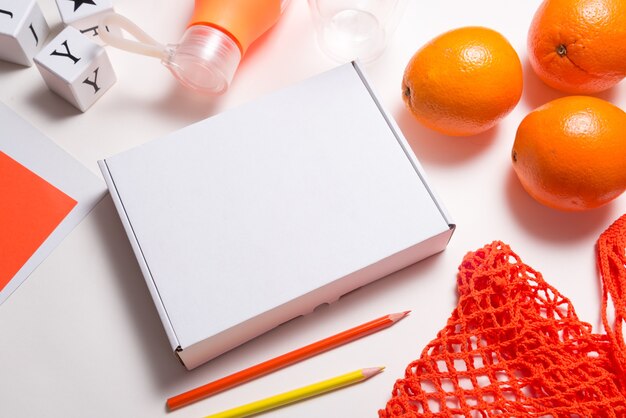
<point x="144" y="44"/>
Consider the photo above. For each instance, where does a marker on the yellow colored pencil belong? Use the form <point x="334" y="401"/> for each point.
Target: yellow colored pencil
<point x="298" y="394"/>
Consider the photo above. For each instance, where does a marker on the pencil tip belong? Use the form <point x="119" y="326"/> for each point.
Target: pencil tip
<point x="398" y="316"/>
<point x="372" y="371"/>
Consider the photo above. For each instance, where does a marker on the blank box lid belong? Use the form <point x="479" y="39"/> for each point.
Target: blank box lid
<point x="257" y="215"/>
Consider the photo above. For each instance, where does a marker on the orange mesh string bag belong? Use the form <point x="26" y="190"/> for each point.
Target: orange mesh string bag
<point x="514" y="346"/>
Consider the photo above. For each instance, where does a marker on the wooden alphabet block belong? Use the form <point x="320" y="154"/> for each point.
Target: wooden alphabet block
<point x="76" y="68"/>
<point x="85" y="15"/>
<point x="23" y="31"/>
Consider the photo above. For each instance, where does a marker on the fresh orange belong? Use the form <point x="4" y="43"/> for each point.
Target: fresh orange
<point x="463" y="81"/>
<point x="579" y="46"/>
<point x="570" y="153"/>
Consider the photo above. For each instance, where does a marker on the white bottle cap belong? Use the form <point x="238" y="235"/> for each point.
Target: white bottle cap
<point x="205" y="59"/>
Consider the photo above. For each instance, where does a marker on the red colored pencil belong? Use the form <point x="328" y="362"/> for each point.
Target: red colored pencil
<point x="284" y="360"/>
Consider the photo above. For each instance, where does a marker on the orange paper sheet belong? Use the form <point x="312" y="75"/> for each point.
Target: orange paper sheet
<point x="30" y="210"/>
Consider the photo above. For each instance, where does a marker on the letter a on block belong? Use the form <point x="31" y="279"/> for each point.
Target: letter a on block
<point x="67" y="53"/>
<point x="93" y="29"/>
<point x="93" y="83"/>
<point x="6" y="12"/>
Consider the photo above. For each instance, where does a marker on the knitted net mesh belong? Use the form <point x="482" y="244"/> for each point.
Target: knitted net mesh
<point x="514" y="346"/>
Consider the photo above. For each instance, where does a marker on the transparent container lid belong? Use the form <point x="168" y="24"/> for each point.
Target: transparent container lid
<point x="205" y="60"/>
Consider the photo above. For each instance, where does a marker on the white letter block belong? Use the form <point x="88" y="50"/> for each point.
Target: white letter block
<point x="85" y="15"/>
<point x="76" y="68"/>
<point x="23" y="30"/>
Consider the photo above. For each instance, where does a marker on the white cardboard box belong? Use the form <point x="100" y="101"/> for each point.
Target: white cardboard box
<point x="252" y="217"/>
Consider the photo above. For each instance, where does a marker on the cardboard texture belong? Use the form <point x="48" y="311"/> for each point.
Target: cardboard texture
<point x="252" y="217"/>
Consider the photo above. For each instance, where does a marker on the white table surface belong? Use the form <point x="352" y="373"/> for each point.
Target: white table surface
<point x="81" y="337"/>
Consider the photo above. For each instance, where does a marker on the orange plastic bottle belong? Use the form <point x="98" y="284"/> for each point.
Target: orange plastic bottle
<point x="218" y="35"/>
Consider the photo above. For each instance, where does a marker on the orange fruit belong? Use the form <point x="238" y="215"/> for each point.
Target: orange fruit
<point x="579" y="46"/>
<point x="463" y="81"/>
<point x="570" y="153"/>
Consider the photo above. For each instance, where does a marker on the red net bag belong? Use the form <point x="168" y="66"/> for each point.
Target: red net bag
<point x="514" y="346"/>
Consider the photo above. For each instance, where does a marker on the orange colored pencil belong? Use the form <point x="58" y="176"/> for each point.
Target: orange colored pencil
<point x="284" y="360"/>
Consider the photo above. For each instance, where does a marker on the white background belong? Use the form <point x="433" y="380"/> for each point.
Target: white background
<point x="81" y="338"/>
